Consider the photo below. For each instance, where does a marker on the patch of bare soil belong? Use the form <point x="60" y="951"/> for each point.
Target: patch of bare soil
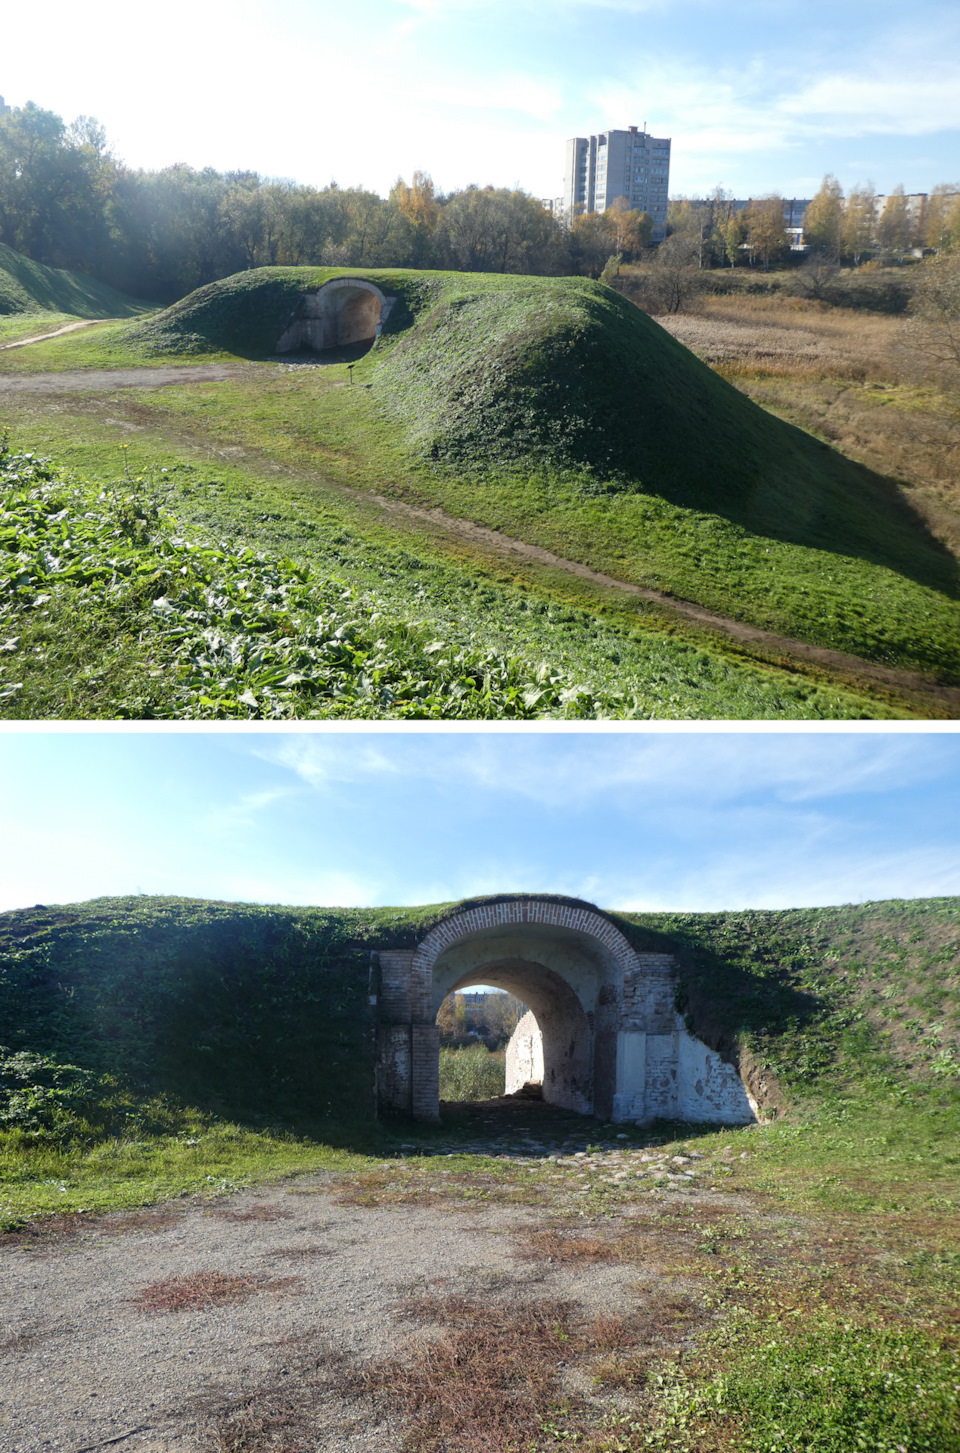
<point x="80" y="380"/>
<point x="177" y="1334"/>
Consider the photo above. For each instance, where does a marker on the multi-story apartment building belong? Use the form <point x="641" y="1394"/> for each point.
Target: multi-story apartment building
<point x="631" y="164"/>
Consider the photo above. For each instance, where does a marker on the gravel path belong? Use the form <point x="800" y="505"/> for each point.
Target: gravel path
<point x="83" y="1367"/>
<point x="83" y="380"/>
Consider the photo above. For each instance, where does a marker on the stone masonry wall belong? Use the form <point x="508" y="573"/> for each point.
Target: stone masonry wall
<point x="648" y="994"/>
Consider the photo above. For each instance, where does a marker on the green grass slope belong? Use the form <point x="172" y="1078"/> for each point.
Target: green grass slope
<point x="496" y="373"/>
<point x="114" y="604"/>
<point x="30" y="287"/>
<point x="824" y="1000"/>
<point x="557" y="413"/>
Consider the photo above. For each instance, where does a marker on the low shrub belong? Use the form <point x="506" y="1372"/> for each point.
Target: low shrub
<point x="471" y="1073"/>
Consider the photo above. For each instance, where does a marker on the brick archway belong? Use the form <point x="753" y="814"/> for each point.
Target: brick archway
<point x="563" y="957"/>
<point x="345" y="313"/>
<point x="613" y="1043"/>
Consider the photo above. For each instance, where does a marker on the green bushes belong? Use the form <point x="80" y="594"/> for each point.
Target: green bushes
<point x="214" y="630"/>
<point x="471" y="1073"/>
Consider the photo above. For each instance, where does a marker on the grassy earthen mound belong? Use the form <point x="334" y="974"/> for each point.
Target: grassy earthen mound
<point x="561" y="378"/>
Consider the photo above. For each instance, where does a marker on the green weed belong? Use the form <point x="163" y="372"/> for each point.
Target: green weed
<point x="831" y="1389"/>
<point x="471" y="1073"/>
<point x="110" y="608"/>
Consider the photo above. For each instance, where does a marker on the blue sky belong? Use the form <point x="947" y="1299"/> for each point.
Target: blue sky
<point x="684" y="819"/>
<point x="759" y="95"/>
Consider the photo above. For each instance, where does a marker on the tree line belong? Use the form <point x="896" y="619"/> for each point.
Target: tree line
<point x="463" y="1019"/>
<point x="837" y="228"/>
<point x="66" y="201"/>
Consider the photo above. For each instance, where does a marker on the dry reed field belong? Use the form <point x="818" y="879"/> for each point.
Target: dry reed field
<point x="858" y="380"/>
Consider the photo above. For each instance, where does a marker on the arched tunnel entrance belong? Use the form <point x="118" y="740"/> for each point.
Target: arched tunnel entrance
<point x="613" y="1042"/>
<point x="344" y="316"/>
<point x="561" y="1052"/>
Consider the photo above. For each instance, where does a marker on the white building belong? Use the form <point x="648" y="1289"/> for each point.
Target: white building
<point x="631" y="164"/>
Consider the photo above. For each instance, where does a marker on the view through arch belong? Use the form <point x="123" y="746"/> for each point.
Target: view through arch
<point x="476" y="1024"/>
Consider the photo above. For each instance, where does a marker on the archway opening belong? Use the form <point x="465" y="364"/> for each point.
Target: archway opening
<point x="556" y="1042"/>
<point x="340" y="322"/>
<point x="476" y="1024"/>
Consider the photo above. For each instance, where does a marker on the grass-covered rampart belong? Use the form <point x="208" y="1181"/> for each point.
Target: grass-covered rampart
<point x="555" y="412"/>
<point x="145" y="1023"/>
<point x="31" y="287"/>
<point x="824" y="1000"/>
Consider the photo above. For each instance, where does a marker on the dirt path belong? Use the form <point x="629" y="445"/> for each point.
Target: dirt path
<point x="82" y="380"/>
<point x="783" y="646"/>
<point x="94" y="1354"/>
<point x="69" y="328"/>
<point x="785" y="650"/>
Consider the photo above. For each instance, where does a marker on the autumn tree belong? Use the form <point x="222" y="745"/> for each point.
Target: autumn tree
<point x="671" y="278"/>
<point x="493" y="229"/>
<point x="936" y="308"/>
<point x="629" y="229"/>
<point x="766" y="233"/>
<point x="497" y="1018"/>
<point x="859" y="223"/>
<point x="815" y="276"/>
<point x="823" y="220"/>
<point x="941" y="218"/>
<point x="418" y="205"/>
<point x="452" y="1020"/>
<point x="591" y="243"/>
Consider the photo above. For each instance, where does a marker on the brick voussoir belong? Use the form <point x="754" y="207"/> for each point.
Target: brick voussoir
<point x="528" y="910"/>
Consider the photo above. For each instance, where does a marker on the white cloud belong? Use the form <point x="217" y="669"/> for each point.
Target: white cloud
<point x="323" y="761"/>
<point x="246" y="811"/>
<point x="553" y="770"/>
<point x="804" y="876"/>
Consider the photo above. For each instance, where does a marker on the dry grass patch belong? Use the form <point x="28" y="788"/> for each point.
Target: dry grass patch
<point x="557" y="1246"/>
<point x="283" y="1414"/>
<point x="159" y="1218"/>
<point x="198" y="1291"/>
<point x="41" y="1234"/>
<point x="855" y="379"/>
<point x="491" y="1381"/>
<point x="51" y="1231"/>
